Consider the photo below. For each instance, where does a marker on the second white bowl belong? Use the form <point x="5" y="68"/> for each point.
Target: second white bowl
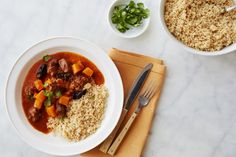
<point x="133" y="32"/>
<point x="225" y="50"/>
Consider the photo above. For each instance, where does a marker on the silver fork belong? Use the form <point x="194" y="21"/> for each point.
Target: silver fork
<point x="143" y="100"/>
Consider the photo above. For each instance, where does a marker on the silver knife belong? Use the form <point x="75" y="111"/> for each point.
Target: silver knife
<point x="133" y="92"/>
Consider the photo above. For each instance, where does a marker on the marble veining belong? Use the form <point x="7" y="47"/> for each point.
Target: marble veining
<point x="196" y="112"/>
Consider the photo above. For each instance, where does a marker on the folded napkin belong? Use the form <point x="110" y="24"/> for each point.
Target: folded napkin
<point x="129" y="66"/>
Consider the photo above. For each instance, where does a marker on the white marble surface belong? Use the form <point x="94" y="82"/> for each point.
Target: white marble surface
<point x="196" y="116"/>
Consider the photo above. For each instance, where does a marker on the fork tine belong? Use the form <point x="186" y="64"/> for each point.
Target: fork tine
<point x="154" y="90"/>
<point x="145" y="93"/>
<point x="151" y="90"/>
<point x="147" y="89"/>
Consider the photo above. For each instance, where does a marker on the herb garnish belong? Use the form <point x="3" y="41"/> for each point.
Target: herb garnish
<point x="47" y="58"/>
<point x="58" y="93"/>
<point x="45" y="84"/>
<point x="49" y="95"/>
<point x="127" y="16"/>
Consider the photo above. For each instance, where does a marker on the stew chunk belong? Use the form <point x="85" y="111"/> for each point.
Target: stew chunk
<point x="34" y="114"/>
<point x="61" y="110"/>
<point x="63" y="65"/>
<point x="52" y="67"/>
<point x="78" y="83"/>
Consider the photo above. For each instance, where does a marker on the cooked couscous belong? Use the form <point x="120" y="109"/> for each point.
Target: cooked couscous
<point x="84" y="115"/>
<point x="200" y="24"/>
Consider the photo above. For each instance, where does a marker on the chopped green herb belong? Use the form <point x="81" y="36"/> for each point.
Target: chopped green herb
<point x="47" y="102"/>
<point x="128" y="16"/>
<point x="58" y="93"/>
<point x="140" y="5"/>
<point x="49" y="95"/>
<point x="45" y="84"/>
<point x="47" y="58"/>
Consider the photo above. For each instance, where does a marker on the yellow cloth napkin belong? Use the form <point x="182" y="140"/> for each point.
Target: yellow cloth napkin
<point x="129" y="66"/>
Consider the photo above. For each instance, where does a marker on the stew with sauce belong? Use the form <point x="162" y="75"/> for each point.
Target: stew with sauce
<point x="52" y="83"/>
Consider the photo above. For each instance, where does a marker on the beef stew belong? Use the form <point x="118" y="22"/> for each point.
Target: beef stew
<point x="52" y="83"/>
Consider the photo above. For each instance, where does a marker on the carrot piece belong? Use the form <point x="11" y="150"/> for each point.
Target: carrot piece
<point x="87" y="71"/>
<point x="38" y="104"/>
<point x="40" y="96"/>
<point x="77" y="67"/>
<point x="64" y="100"/>
<point x="51" y="111"/>
<point x="38" y="84"/>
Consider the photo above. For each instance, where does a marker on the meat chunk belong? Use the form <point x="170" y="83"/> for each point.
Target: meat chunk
<point x="78" y="83"/>
<point x="61" y="110"/>
<point x="64" y="65"/>
<point x="34" y="114"/>
<point x="59" y="84"/>
<point x="29" y="92"/>
<point x="52" y="67"/>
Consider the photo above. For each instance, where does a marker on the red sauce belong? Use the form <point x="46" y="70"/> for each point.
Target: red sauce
<point x="41" y="124"/>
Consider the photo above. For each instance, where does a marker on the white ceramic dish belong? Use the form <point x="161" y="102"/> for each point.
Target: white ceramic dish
<point x="134" y="32"/>
<point x="49" y="143"/>
<point x="225" y="50"/>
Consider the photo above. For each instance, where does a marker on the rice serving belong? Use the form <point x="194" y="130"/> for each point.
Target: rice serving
<point x="84" y="116"/>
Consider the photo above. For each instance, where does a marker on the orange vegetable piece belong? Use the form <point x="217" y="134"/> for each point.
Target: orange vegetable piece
<point x="38" y="104"/>
<point x="48" y="81"/>
<point x="38" y="84"/>
<point x="64" y="100"/>
<point x="51" y="111"/>
<point x="40" y="96"/>
<point x="77" y="67"/>
<point x="87" y="71"/>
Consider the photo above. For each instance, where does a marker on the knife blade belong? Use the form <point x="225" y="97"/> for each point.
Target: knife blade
<point x="133" y="92"/>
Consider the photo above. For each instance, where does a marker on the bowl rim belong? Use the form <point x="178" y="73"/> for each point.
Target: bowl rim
<point x="189" y="49"/>
<point x="124" y="35"/>
<point x="118" y="79"/>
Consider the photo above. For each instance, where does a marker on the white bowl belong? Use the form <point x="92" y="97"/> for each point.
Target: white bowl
<point x="49" y="143"/>
<point x="225" y="50"/>
<point x="133" y="32"/>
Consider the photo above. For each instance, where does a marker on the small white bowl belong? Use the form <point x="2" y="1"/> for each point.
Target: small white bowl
<point x="225" y="50"/>
<point x="47" y="142"/>
<point x="133" y="32"/>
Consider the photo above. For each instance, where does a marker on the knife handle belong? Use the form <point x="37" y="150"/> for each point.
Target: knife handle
<point x="118" y="140"/>
<point x="107" y="143"/>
